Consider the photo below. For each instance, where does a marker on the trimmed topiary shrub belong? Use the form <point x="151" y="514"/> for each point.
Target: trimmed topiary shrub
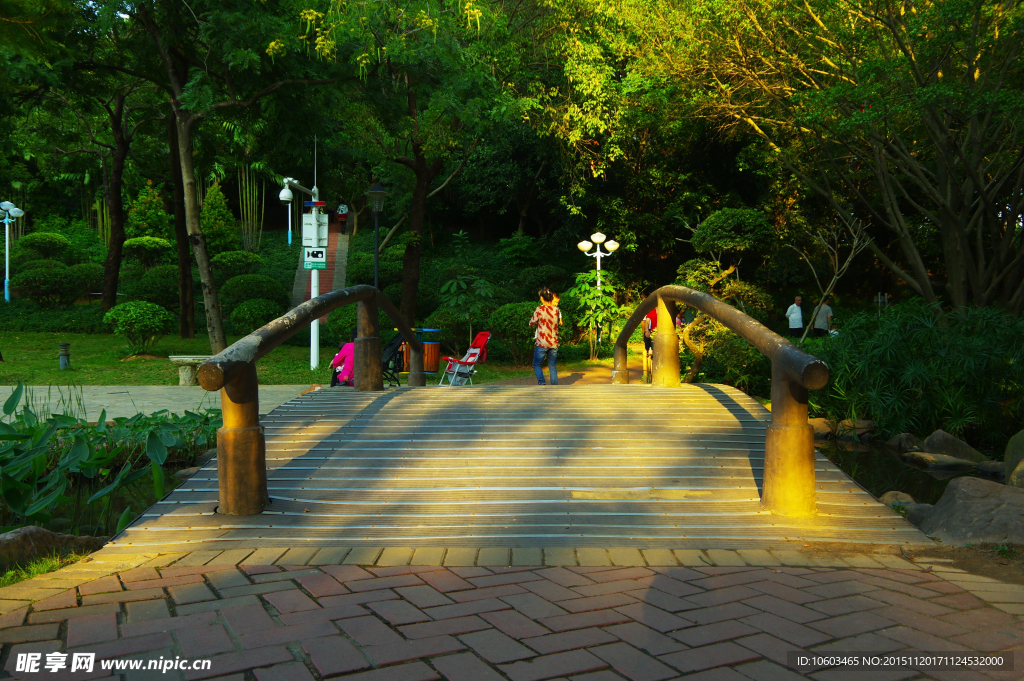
<point x="48" y="244"/>
<point x="158" y="286"/>
<point x="239" y="289"/>
<point x="90" y="275"/>
<point x="218" y="224"/>
<point x="48" y="287"/>
<point x="41" y="265"/>
<point x="147" y="217"/>
<point x="141" y="324"/>
<point x="230" y="264"/>
<point x="510" y="326"/>
<point x="252" y="314"/>
<point x="147" y="250"/>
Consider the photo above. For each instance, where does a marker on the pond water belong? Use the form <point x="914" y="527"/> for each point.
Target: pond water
<point x="878" y="469"/>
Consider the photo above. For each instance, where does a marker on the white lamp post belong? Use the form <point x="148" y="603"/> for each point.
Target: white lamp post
<point x="286" y="198"/>
<point x="10" y="213"/>
<point x="584" y="246"/>
<point x="314" y="239"/>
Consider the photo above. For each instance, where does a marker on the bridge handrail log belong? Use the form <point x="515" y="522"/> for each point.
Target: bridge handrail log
<point x="789" y="486"/>
<point x="241" y="447"/>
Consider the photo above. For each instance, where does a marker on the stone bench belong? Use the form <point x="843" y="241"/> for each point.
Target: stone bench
<point x="187" y="367"/>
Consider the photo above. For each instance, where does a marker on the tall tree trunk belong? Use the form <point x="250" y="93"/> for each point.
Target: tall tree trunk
<point x="186" y="300"/>
<point x="414" y="246"/>
<point x="115" y="204"/>
<point x="214" y="321"/>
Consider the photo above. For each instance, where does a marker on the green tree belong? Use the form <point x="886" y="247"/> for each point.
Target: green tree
<point x="147" y="217"/>
<point x="597" y="303"/>
<point x="219" y="225"/>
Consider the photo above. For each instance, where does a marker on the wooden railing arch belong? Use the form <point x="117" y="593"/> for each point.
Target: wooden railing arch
<point x="789" y="486"/>
<point x="241" y="448"/>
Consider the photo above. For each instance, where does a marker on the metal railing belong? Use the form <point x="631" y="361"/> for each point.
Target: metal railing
<point x="241" y="447"/>
<point x="789" y="443"/>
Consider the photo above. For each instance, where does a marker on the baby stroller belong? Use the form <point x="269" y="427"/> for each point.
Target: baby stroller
<point x="393" y="361"/>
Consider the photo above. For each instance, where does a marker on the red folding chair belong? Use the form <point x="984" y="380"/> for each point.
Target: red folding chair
<point x="460" y="371"/>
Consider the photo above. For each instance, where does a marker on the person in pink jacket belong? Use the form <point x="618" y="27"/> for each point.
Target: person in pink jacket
<point x="342" y="364"/>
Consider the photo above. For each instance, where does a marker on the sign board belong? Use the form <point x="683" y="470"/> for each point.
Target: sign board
<point x="314" y="258"/>
<point x="314" y="229"/>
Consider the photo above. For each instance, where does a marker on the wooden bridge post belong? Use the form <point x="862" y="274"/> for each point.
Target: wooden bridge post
<point x="620" y="372"/>
<point x="367" y="364"/>
<point x="789" y="450"/>
<point x="241" y="448"/>
<point x="665" y="369"/>
<point x="416" y="375"/>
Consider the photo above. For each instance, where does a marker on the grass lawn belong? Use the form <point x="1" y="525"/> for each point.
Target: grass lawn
<point x="100" y="359"/>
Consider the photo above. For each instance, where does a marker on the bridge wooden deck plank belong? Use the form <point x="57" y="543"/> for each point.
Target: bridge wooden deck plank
<point x="520" y="467"/>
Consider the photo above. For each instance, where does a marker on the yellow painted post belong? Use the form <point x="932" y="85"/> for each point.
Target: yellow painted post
<point x="241" y="447"/>
<point x="789" y="451"/>
<point x="665" y="369"/>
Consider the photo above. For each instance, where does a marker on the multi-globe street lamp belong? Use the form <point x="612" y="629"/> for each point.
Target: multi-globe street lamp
<point x="598" y="238"/>
<point x="10" y="213"/>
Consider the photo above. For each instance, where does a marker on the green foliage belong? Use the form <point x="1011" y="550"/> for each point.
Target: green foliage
<point x="252" y="314"/>
<point x="48" y="287"/>
<point x="147" y="217"/>
<point x="231" y="264"/>
<point x="48" y="244"/>
<point x="218" y="224"/>
<point x="519" y="250"/>
<point x="147" y="250"/>
<point x="734" y="230"/>
<point x="912" y="370"/>
<point x="90" y="274"/>
<point x="41" y="265"/>
<point x="533" y="279"/>
<point x="158" y="285"/>
<point x="597" y="307"/>
<point x="22" y="314"/>
<point x="245" y="287"/>
<point x="142" y="324"/>
<point x="468" y="296"/>
<point x="510" y="325"/>
<point x="39" y="566"/>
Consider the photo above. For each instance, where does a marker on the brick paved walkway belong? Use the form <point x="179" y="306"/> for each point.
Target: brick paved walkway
<point x="714" y="616"/>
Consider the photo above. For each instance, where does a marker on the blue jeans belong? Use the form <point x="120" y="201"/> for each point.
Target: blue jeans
<point x="538" y="364"/>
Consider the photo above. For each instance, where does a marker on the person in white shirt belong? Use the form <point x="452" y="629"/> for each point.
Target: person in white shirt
<point x="795" y="315"/>
<point x="823" y="320"/>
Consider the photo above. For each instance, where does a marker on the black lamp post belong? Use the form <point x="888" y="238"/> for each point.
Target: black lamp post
<point x="377" y="193"/>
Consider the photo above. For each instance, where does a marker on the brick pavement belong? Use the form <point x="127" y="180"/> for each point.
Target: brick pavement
<point x="714" y="616"/>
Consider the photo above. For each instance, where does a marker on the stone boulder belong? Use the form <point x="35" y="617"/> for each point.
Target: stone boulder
<point x="1013" y="457"/>
<point x="24" y="544"/>
<point x="861" y="426"/>
<point x="822" y="427"/>
<point x="997" y="468"/>
<point x="905" y="442"/>
<point x="918" y="513"/>
<point x="938" y="461"/>
<point x="894" y="497"/>
<point x="941" y="442"/>
<point x="977" y="511"/>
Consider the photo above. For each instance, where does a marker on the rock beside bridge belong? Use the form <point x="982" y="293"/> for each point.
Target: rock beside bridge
<point x="1012" y="459"/>
<point x="976" y="511"/>
<point x="941" y="442"/>
<point x="938" y="461"/>
<point x="894" y="497"/>
<point x="24" y="544"/>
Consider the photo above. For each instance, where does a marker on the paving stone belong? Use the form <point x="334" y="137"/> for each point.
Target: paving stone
<point x="334" y="655"/>
<point x="721" y="596"/>
<point x="432" y="555"/>
<point x="592" y="557"/>
<point x="411" y="650"/>
<point x="241" y="661"/>
<point x="659" y="557"/>
<point x="720" y="613"/>
<point x="559" y="556"/>
<point x="594" y="618"/>
<point x="564" y="577"/>
<point x="626" y="557"/>
<point x="785" y="592"/>
<point x="852" y="624"/>
<point x="597" y="602"/>
<point x="383" y="583"/>
<point x="143" y="611"/>
<point x="169" y="581"/>
<point x="445" y="581"/>
<point x="225" y="579"/>
<point x="286" y="634"/>
<point x="67" y="599"/>
<point x="264" y="556"/>
<point x="13" y="618"/>
<point x="603" y="675"/>
<point x="494" y="556"/>
<point x="346" y="573"/>
<point x="646" y="638"/>
<point x="791" y="611"/>
<point x="992" y="641"/>
<point x="758" y="557"/>
<point x="632" y="663"/>
<point x="457" y="625"/>
<point x="154" y="626"/>
<point x="841" y="589"/>
<point x="417" y="671"/>
<point x="291" y="600"/>
<point x="329" y="556"/>
<point x="655" y="618"/>
<point x="496" y="647"/>
<point x="669" y="585"/>
<point x="127" y="646"/>
<point x="502" y="579"/>
<point x="363" y="555"/>
<point x="487" y="592"/>
<point x="139" y="574"/>
<point x="549" y="666"/>
<point x="39" y="632"/>
<point x="716" y="655"/>
<point x="222" y="604"/>
<point x="922" y="622"/>
<point x="848" y="604"/>
<point x="231" y="557"/>
<point x="399" y="612"/>
<point x="368" y="631"/>
<point x="90" y="629"/>
<point x="297" y="556"/>
<point x="714" y="633"/>
<point x="662" y="600"/>
<point x="528" y="557"/>
<point x="514" y="624"/>
<point x="253" y="570"/>
<point x="191" y="593"/>
<point x="691" y="557"/>
<point x="768" y="646"/>
<point x="123" y="596"/>
<point x="66" y="613"/>
<point x="204" y="641"/>
<point x="550" y="591"/>
<point x="464" y="609"/>
<point x="920" y="640"/>
<point x="533" y="606"/>
<point x="762" y="670"/>
<point x="465" y="667"/>
<point x="395" y="556"/>
<point x="726" y="558"/>
<point x="870" y="642"/>
<point x="459" y="557"/>
<point x="286" y="574"/>
<point x="797" y="634"/>
<point x="357" y="599"/>
<point x="290" y="671"/>
<point x="324" y="614"/>
<point x="616" y="587"/>
<point x="255" y="589"/>
<point x="178" y="571"/>
<point x="100" y="586"/>
<point x="321" y="585"/>
<point x="423" y="596"/>
<point x="570" y="640"/>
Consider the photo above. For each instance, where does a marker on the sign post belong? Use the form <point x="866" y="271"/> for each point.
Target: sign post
<point x="314" y="247"/>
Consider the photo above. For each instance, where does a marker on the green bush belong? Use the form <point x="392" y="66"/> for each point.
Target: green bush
<point x="147" y="250"/>
<point x="252" y="314"/>
<point x="158" y="285"/>
<point x="147" y="217"/>
<point x="141" y="324"/>
<point x="22" y="314"/>
<point x="90" y="274"/>
<point x="237" y="290"/>
<point x="913" y="370"/>
<point x="734" y="230"/>
<point x="40" y="265"/>
<point x="52" y="287"/>
<point x="510" y="326"/>
<point x="231" y="264"/>
<point x="533" y="279"/>
<point x="343" y="320"/>
<point x="50" y="245"/>
<point x="218" y="224"/>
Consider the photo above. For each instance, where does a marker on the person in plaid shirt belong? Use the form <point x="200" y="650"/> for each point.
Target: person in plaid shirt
<point x="547" y="318"/>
